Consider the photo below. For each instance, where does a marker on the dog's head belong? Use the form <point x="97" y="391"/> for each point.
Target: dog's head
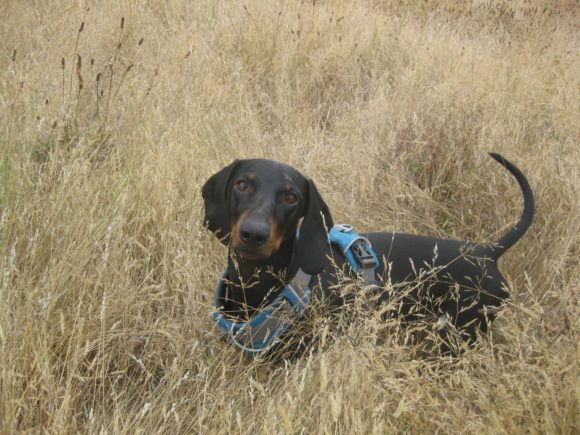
<point x="255" y="205"/>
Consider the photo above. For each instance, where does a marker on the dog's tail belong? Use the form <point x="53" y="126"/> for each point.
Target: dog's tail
<point x="512" y="236"/>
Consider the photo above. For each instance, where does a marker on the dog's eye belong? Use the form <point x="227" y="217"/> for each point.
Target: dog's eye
<point x="290" y="198"/>
<point x="241" y="186"/>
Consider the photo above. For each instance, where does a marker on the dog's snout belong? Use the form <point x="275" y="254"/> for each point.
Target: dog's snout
<point x="254" y="233"/>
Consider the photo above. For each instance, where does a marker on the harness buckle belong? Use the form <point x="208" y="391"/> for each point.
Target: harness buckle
<point x="362" y="252"/>
<point x="357" y="251"/>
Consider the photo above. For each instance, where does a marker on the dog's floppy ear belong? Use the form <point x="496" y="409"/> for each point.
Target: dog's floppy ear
<point x="215" y="198"/>
<point x="312" y="245"/>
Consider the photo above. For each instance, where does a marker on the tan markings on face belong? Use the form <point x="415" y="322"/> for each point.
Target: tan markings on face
<point x="275" y="240"/>
<point x="287" y="187"/>
<point x="251" y="177"/>
<point x="272" y="244"/>
<point x="235" y="237"/>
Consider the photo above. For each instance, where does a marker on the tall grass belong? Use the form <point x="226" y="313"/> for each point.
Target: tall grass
<point x="113" y="114"/>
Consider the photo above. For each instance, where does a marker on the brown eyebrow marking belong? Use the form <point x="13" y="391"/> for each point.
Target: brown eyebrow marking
<point x="287" y="187"/>
<point x="251" y="176"/>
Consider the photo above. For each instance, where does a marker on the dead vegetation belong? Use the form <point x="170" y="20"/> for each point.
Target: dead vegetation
<point x="113" y="114"/>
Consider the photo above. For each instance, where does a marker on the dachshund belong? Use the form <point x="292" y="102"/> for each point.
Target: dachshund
<point x="276" y="225"/>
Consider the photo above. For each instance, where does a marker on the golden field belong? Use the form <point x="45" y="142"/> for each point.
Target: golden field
<point x="114" y="113"/>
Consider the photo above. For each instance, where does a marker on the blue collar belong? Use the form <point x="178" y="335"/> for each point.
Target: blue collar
<point x="261" y="332"/>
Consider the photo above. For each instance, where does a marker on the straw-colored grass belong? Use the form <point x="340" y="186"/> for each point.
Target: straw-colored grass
<point x="109" y="128"/>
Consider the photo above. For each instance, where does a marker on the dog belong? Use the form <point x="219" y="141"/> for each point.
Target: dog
<point x="277" y="227"/>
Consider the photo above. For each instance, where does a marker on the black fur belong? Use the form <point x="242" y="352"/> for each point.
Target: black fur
<point x="265" y="200"/>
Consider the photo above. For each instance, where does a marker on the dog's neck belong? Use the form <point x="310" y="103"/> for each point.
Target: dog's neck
<point x="254" y="284"/>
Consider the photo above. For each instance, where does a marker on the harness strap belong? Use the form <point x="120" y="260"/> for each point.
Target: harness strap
<point x="260" y="333"/>
<point x="357" y="250"/>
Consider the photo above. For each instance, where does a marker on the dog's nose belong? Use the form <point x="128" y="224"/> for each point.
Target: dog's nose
<point x="254" y="233"/>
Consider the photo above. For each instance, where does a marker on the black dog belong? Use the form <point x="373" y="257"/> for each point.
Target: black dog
<point x="255" y="207"/>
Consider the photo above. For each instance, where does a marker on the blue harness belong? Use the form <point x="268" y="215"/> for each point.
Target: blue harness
<point x="258" y="334"/>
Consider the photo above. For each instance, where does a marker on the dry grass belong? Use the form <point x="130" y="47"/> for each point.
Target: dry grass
<point x="107" y="273"/>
